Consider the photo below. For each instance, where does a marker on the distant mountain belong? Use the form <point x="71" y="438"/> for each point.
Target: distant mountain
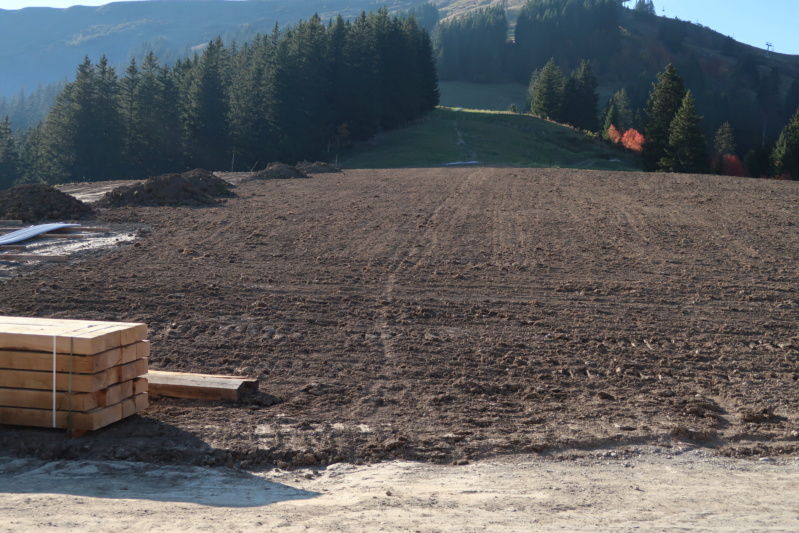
<point x="44" y="45"/>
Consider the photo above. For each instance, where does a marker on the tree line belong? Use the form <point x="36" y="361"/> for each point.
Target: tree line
<point x="626" y="48"/>
<point x="287" y="96"/>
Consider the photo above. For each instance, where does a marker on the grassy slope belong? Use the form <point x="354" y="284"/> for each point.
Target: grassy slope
<point x="492" y="138"/>
<point x="493" y="96"/>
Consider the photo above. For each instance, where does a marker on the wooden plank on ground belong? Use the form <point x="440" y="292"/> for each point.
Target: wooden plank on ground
<point x="77" y="364"/>
<point x="72" y="336"/>
<point x="88" y="421"/>
<point x="198" y="386"/>
<point x="25" y="379"/>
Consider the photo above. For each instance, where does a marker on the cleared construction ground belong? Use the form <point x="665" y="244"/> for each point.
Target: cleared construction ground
<point x="449" y="315"/>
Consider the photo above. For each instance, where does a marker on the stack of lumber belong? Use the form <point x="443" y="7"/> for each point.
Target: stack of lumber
<point x="71" y="374"/>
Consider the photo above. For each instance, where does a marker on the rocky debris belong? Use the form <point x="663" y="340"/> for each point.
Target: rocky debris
<point x="317" y="167"/>
<point x="193" y="188"/>
<point x="35" y="202"/>
<point x="279" y="171"/>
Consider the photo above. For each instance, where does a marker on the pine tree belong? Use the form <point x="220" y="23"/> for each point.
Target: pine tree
<point x="645" y="6"/>
<point x="33" y="156"/>
<point x="206" y="109"/>
<point x="723" y="148"/>
<point x="548" y="90"/>
<point x="624" y="119"/>
<point x="611" y="120"/>
<point x="665" y="101"/>
<point x="786" y="154"/>
<point x="580" y="99"/>
<point x="724" y="143"/>
<point x="9" y="155"/>
<point x="687" y="148"/>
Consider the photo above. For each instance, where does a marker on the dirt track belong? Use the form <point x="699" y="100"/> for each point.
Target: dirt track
<point x="449" y="315"/>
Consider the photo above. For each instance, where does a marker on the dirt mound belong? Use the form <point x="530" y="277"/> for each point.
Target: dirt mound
<point x="279" y="171"/>
<point x="34" y="202"/>
<point x="195" y="187"/>
<point x="317" y="167"/>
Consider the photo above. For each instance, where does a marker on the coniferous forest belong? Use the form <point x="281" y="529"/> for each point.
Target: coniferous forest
<point x="287" y="96"/>
<point x="686" y="98"/>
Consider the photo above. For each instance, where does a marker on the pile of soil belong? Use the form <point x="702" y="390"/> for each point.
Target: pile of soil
<point x="35" y="202"/>
<point x="317" y="167"/>
<point x="193" y="188"/>
<point x="279" y="171"/>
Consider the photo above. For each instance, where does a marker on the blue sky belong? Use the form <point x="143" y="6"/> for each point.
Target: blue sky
<point x="751" y="22"/>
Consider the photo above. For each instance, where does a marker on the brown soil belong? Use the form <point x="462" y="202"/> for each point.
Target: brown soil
<point x="448" y="315"/>
<point x="317" y="167"/>
<point x="36" y="202"/>
<point x="193" y="188"/>
<point x="278" y="171"/>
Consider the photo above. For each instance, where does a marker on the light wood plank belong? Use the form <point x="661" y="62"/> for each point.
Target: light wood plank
<point x="198" y="386"/>
<point x="73" y="336"/>
<point x="79" y="402"/>
<point x="89" y="421"/>
<point x="24" y="379"/>
<point x="77" y="364"/>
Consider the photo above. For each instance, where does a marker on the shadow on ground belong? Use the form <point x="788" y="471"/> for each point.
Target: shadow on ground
<point x="215" y="487"/>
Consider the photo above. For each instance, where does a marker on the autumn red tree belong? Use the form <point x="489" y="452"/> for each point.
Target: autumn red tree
<point x="614" y="135"/>
<point x="731" y="166"/>
<point x="633" y="140"/>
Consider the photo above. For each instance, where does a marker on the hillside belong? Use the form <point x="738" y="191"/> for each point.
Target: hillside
<point x="46" y="45"/>
<point x="491" y="138"/>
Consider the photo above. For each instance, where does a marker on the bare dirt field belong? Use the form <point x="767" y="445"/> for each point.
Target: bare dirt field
<point x="448" y="316"/>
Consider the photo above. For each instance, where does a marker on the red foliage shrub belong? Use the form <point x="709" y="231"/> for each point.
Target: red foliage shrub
<point x="731" y="166"/>
<point x="633" y="140"/>
<point x="614" y="135"/>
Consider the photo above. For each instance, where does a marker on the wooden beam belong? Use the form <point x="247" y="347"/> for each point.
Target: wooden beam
<point x="82" y="337"/>
<point x="81" y="421"/>
<point x="79" y="401"/>
<point x="64" y="381"/>
<point x="13" y="247"/>
<point x="198" y="386"/>
<point x="77" y="364"/>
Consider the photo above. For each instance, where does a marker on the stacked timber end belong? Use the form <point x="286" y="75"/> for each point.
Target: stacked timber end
<point x="71" y="374"/>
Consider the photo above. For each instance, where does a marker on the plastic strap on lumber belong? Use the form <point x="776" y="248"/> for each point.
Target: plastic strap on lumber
<point x="28" y="233"/>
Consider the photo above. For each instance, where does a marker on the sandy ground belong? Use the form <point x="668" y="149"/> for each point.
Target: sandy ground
<point x="650" y="489"/>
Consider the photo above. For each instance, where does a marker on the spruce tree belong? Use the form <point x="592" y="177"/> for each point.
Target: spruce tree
<point x="724" y="143"/>
<point x="548" y="90"/>
<point x="580" y="99"/>
<point x="665" y="101"/>
<point x="624" y="119"/>
<point x="723" y="147"/>
<point x="786" y="154"/>
<point x="687" y="148"/>
<point x="611" y="119"/>
<point x="9" y="155"/>
<point x="33" y="156"/>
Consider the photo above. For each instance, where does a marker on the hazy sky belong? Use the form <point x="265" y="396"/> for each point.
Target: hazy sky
<point x="751" y="22"/>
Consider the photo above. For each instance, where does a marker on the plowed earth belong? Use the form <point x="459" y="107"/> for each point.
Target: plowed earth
<point x="447" y="315"/>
